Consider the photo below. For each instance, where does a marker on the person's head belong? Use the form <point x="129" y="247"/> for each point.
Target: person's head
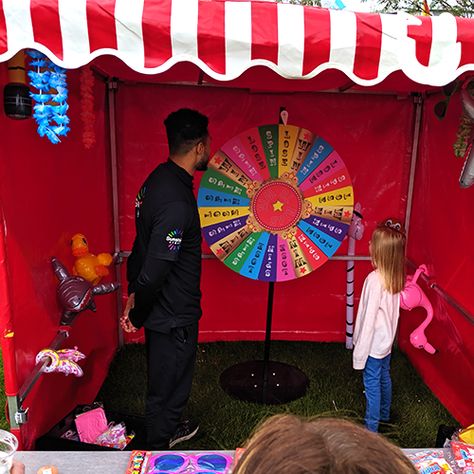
<point x="188" y="137"/>
<point x="387" y="249"/>
<point x="288" y="444"/>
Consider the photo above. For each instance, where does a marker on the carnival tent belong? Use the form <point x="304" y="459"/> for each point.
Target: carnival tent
<point x="367" y="83"/>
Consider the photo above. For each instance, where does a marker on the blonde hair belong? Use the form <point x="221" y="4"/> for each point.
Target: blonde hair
<point x="288" y="444"/>
<point x="387" y="248"/>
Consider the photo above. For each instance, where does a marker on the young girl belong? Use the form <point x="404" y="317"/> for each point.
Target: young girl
<point x="377" y="319"/>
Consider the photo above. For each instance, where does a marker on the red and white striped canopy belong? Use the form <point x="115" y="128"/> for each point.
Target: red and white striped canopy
<point x="224" y="39"/>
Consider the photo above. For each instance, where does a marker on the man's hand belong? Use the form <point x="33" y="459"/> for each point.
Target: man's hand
<point x="125" y="322"/>
<point x="130" y="304"/>
<point x="17" y="467"/>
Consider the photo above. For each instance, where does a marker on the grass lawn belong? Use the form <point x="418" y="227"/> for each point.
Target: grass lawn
<point x="3" y="419"/>
<point x="335" y="390"/>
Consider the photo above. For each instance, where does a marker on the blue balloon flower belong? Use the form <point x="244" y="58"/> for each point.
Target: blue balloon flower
<point x="50" y="103"/>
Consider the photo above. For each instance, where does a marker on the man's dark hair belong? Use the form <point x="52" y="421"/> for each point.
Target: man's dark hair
<point x="184" y="129"/>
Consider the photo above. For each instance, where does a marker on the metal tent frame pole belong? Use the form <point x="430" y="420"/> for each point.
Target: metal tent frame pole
<point x="418" y="100"/>
<point x="112" y="88"/>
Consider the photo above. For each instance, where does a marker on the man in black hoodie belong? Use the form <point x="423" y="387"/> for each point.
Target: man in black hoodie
<point x="163" y="272"/>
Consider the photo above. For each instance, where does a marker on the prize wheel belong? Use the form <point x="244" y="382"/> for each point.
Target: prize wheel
<point x="275" y="203"/>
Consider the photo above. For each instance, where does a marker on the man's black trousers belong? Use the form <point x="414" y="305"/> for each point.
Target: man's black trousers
<point x="170" y="360"/>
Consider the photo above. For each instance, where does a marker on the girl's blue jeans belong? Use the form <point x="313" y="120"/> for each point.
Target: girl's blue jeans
<point x="378" y="391"/>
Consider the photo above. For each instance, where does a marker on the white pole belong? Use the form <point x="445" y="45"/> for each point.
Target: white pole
<point x="356" y="231"/>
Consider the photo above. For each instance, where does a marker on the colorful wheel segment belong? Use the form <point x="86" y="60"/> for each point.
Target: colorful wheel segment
<point x="275" y="203"/>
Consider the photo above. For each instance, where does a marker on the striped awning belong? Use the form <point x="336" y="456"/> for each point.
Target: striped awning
<point x="225" y="39"/>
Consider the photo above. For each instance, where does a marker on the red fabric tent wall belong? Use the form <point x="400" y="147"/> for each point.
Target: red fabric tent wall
<point x="371" y="133"/>
<point x="314" y="308"/>
<point x="48" y="193"/>
<point x="441" y="237"/>
<point x="54" y="191"/>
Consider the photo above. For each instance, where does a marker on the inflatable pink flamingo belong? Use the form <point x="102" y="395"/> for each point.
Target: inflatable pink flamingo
<point x="411" y="297"/>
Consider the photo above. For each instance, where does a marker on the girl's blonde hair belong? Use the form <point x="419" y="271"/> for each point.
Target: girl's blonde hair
<point x="289" y="444"/>
<point x="387" y="249"/>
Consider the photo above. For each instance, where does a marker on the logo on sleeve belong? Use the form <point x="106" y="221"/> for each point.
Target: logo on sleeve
<point x="174" y="239"/>
<point x="139" y="201"/>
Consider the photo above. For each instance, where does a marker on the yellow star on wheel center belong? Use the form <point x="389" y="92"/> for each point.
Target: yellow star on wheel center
<point x="278" y="206"/>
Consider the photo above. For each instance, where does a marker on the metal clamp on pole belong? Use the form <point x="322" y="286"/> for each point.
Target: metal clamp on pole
<point x="21" y="416"/>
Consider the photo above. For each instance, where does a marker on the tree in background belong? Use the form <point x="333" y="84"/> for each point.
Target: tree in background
<point x="456" y="7"/>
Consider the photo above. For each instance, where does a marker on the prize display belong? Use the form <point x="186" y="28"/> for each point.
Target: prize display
<point x="275" y="203"/>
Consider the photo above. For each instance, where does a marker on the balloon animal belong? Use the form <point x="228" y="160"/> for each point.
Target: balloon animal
<point x="411" y="297"/>
<point x="76" y="294"/>
<point x="62" y="361"/>
<point x="88" y="265"/>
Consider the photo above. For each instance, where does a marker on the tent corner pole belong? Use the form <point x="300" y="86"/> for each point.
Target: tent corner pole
<point x="418" y="101"/>
<point x="112" y="88"/>
<point x="8" y="337"/>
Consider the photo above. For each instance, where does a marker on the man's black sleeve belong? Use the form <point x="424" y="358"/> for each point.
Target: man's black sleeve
<point x="168" y="227"/>
<point x="150" y="281"/>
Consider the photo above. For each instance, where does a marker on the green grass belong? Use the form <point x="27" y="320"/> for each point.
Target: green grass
<point x="335" y="390"/>
<point x="3" y="420"/>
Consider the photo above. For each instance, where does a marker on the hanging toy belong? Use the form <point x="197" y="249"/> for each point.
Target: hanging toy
<point x="467" y="98"/>
<point x="63" y="361"/>
<point x="466" y="134"/>
<point x="87" y="107"/>
<point x="411" y="297"/>
<point x="50" y="102"/>
<point x="88" y="265"/>
<point x="76" y="294"/>
<point x="16" y="94"/>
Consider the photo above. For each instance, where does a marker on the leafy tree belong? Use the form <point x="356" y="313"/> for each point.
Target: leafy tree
<point x="463" y="8"/>
<point x="457" y="7"/>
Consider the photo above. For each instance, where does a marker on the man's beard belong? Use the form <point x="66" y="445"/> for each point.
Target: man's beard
<point x="202" y="165"/>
